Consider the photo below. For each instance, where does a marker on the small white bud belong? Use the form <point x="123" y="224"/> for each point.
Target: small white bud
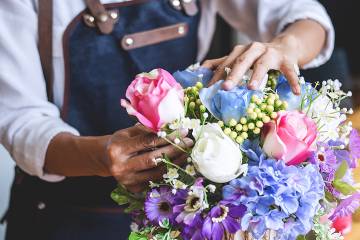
<point x="349" y="93"/>
<point x="176" y="141"/>
<point x="211" y="188"/>
<point x="205" y="115"/>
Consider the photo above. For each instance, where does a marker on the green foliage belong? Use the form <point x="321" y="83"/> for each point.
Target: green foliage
<point x="340" y="185"/>
<point x="122" y="197"/>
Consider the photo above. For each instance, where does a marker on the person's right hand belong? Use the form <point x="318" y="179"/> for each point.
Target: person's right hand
<point x="131" y="155"/>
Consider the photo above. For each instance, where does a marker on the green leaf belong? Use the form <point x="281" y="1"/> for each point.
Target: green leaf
<point x="119" y="199"/>
<point x="343" y="187"/>
<point x="137" y="236"/>
<point x="134" y="205"/>
<point x="301" y="237"/>
<point x="341" y="171"/>
<point x="330" y="197"/>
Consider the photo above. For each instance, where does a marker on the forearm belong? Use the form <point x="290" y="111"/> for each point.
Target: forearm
<point x="305" y="38"/>
<point x="71" y="156"/>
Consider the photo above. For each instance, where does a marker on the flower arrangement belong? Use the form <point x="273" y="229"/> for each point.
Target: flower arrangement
<point x="265" y="164"/>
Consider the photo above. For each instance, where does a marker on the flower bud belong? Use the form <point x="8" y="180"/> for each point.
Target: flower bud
<point x="243" y="120"/>
<point x="227" y="131"/>
<point x="244" y="135"/>
<point x="239" y="127"/>
<point x="251" y="126"/>
<point x="232" y="122"/>
<point x="233" y="135"/>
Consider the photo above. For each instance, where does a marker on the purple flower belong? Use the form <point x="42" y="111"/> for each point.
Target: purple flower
<point x="346" y="207"/>
<point x="193" y="231"/>
<point x="222" y="218"/>
<point x="193" y="204"/>
<point x="159" y="205"/>
<point x="354" y="147"/>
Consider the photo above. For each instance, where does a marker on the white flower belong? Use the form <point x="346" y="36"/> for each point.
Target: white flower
<point x="216" y="156"/>
<point x="188" y="123"/>
<point x="326" y="118"/>
<point x="211" y="188"/>
<point x="134" y="227"/>
<point x="190" y="169"/>
<point x="177" y="184"/>
<point x="171" y="174"/>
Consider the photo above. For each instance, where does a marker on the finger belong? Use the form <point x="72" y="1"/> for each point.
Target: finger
<point x="146" y="142"/>
<point x="137" y="188"/>
<point x="261" y="67"/>
<point x="290" y="73"/>
<point x="147" y="160"/>
<point x="242" y="64"/>
<point x="220" y="71"/>
<point x="213" y="63"/>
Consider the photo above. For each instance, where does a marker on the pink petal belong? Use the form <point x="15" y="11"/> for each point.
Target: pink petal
<point x="132" y="111"/>
<point x="273" y="146"/>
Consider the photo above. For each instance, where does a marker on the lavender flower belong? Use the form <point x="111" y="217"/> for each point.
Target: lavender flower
<point x="159" y="205"/>
<point x="223" y="218"/>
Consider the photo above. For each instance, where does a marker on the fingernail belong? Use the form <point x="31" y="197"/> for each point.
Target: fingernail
<point x="228" y="85"/>
<point x="188" y="142"/>
<point x="252" y="86"/>
<point x="297" y="90"/>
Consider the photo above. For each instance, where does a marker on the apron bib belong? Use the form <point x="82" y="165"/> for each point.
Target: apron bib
<point x="98" y="69"/>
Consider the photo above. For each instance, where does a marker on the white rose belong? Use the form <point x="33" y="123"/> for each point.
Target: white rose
<point x="216" y="156"/>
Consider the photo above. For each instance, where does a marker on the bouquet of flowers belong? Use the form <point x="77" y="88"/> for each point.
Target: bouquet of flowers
<point x="265" y="164"/>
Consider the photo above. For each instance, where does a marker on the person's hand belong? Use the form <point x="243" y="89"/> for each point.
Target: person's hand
<point x="131" y="155"/>
<point x="281" y="54"/>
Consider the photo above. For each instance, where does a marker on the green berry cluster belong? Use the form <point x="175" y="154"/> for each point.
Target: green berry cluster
<point x="193" y="105"/>
<point x="273" y="76"/>
<point x="259" y="112"/>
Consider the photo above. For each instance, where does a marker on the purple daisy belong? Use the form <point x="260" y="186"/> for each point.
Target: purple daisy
<point x="159" y="205"/>
<point x="222" y="218"/>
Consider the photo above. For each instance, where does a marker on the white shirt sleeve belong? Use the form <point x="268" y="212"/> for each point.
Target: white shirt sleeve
<point x="28" y="121"/>
<point x="262" y="20"/>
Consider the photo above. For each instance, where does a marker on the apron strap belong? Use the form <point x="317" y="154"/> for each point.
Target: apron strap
<point x="104" y="21"/>
<point x="45" y="25"/>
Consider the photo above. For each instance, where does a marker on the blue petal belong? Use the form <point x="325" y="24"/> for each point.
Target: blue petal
<point x="227" y="105"/>
<point x="294" y="102"/>
<point x="189" y="78"/>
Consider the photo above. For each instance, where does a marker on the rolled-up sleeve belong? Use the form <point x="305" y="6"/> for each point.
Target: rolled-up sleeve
<point x="262" y="20"/>
<point x="28" y="121"/>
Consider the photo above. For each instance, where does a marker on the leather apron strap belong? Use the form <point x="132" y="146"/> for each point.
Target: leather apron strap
<point x="45" y="26"/>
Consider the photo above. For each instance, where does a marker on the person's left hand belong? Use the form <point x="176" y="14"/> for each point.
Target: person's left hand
<point x="281" y="54"/>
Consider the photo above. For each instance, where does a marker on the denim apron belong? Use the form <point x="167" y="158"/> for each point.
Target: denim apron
<point x="98" y="69"/>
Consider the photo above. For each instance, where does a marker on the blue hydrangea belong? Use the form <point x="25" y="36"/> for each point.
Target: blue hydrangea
<point x="278" y="197"/>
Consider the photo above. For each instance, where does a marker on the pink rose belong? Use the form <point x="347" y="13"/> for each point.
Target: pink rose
<point x="155" y="99"/>
<point x="290" y="137"/>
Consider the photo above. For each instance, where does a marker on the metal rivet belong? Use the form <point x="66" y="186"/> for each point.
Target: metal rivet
<point x="129" y="41"/>
<point x="113" y="15"/>
<point x="181" y="30"/>
<point x="175" y="3"/>
<point x="41" y="206"/>
<point x="103" y="17"/>
<point x="89" y="18"/>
